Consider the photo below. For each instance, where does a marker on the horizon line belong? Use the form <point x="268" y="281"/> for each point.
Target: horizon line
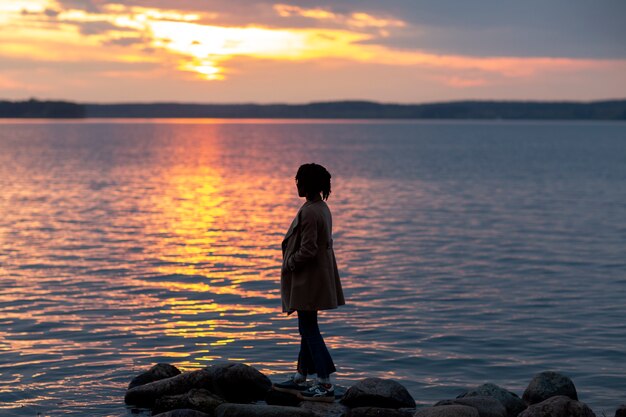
<point x="305" y="103"/>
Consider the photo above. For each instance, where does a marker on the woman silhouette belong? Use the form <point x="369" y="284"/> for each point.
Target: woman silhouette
<point x="310" y="282"/>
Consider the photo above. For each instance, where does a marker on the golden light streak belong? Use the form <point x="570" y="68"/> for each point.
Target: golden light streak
<point x="201" y="40"/>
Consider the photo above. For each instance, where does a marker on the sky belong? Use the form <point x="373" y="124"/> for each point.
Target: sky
<point x="241" y="51"/>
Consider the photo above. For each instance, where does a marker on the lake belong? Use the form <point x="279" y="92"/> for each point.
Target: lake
<point x="470" y="252"/>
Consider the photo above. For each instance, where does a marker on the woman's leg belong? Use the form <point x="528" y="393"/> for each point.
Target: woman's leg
<point x="314" y="356"/>
<point x="306" y="366"/>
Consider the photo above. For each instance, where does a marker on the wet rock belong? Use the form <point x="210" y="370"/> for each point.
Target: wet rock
<point x="549" y="384"/>
<point x="377" y="392"/>
<point x="254" y="410"/>
<point x="321" y="409"/>
<point x="183" y="413"/>
<point x="281" y="398"/>
<point x="235" y="382"/>
<point x="195" y="399"/>
<point x="147" y="394"/>
<point x="621" y="411"/>
<point x="486" y="406"/>
<point x="381" y="412"/>
<point x="513" y="404"/>
<point x="157" y="372"/>
<point x="559" y="406"/>
<point x="447" y="411"/>
<point x="238" y="383"/>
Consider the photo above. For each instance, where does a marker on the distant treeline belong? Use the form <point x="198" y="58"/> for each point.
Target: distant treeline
<point x="41" y="109"/>
<point x="598" y="110"/>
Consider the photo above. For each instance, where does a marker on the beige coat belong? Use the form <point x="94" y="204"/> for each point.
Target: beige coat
<point x="309" y="278"/>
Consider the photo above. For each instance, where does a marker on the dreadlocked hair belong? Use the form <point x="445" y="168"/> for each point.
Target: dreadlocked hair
<point x="314" y="178"/>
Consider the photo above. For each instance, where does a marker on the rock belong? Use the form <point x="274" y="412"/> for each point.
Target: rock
<point x="321" y="409"/>
<point x="146" y="395"/>
<point x="447" y="411"/>
<point x="183" y="413"/>
<point x="559" y="406"/>
<point x="235" y="382"/>
<point x="238" y="383"/>
<point x="381" y="412"/>
<point x="549" y="384"/>
<point x="486" y="406"/>
<point x="377" y="392"/>
<point x="195" y="399"/>
<point x="281" y="398"/>
<point x="254" y="410"/>
<point x="513" y="404"/>
<point x="621" y="411"/>
<point x="157" y="372"/>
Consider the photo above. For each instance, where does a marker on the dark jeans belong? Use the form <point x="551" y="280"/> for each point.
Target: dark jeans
<point x="314" y="357"/>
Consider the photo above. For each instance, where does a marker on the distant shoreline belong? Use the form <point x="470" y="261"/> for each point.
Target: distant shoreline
<point x="365" y="110"/>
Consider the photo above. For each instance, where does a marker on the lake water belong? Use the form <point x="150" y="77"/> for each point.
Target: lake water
<point x="470" y="252"/>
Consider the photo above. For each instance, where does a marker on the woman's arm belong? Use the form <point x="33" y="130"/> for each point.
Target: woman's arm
<point x="308" y="241"/>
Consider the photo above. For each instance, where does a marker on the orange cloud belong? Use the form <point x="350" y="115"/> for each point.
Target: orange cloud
<point x="352" y="20"/>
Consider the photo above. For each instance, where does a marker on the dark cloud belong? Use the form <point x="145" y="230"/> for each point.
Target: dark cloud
<point x="87" y="5"/>
<point x="98" y="27"/>
<point x="503" y="42"/>
<point x="563" y="28"/>
<point x="126" y="41"/>
<point x="51" y="12"/>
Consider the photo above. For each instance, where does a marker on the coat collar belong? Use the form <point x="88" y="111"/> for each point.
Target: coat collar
<point x="295" y="221"/>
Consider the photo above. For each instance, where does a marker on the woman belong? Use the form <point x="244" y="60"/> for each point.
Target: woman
<point x="310" y="282"/>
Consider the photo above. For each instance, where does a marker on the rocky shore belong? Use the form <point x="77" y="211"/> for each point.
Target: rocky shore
<point x="238" y="390"/>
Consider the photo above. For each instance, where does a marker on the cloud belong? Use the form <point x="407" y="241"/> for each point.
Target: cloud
<point x="530" y="28"/>
<point x="126" y="41"/>
<point x="87" y="5"/>
<point x="195" y="44"/>
<point x="97" y="27"/>
<point x="51" y="12"/>
<point x="354" y="20"/>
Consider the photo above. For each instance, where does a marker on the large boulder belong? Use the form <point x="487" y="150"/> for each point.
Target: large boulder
<point x="254" y="410"/>
<point x="238" y="383"/>
<point x="559" y="406"/>
<point x="147" y="394"/>
<point x="381" y="412"/>
<point x="195" y="399"/>
<point x="235" y="382"/>
<point x="157" y="372"/>
<point x="486" y="406"/>
<point x="184" y="413"/>
<point x="621" y="411"/>
<point x="549" y="384"/>
<point x="377" y="392"/>
<point x="511" y="402"/>
<point x="447" y="411"/>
